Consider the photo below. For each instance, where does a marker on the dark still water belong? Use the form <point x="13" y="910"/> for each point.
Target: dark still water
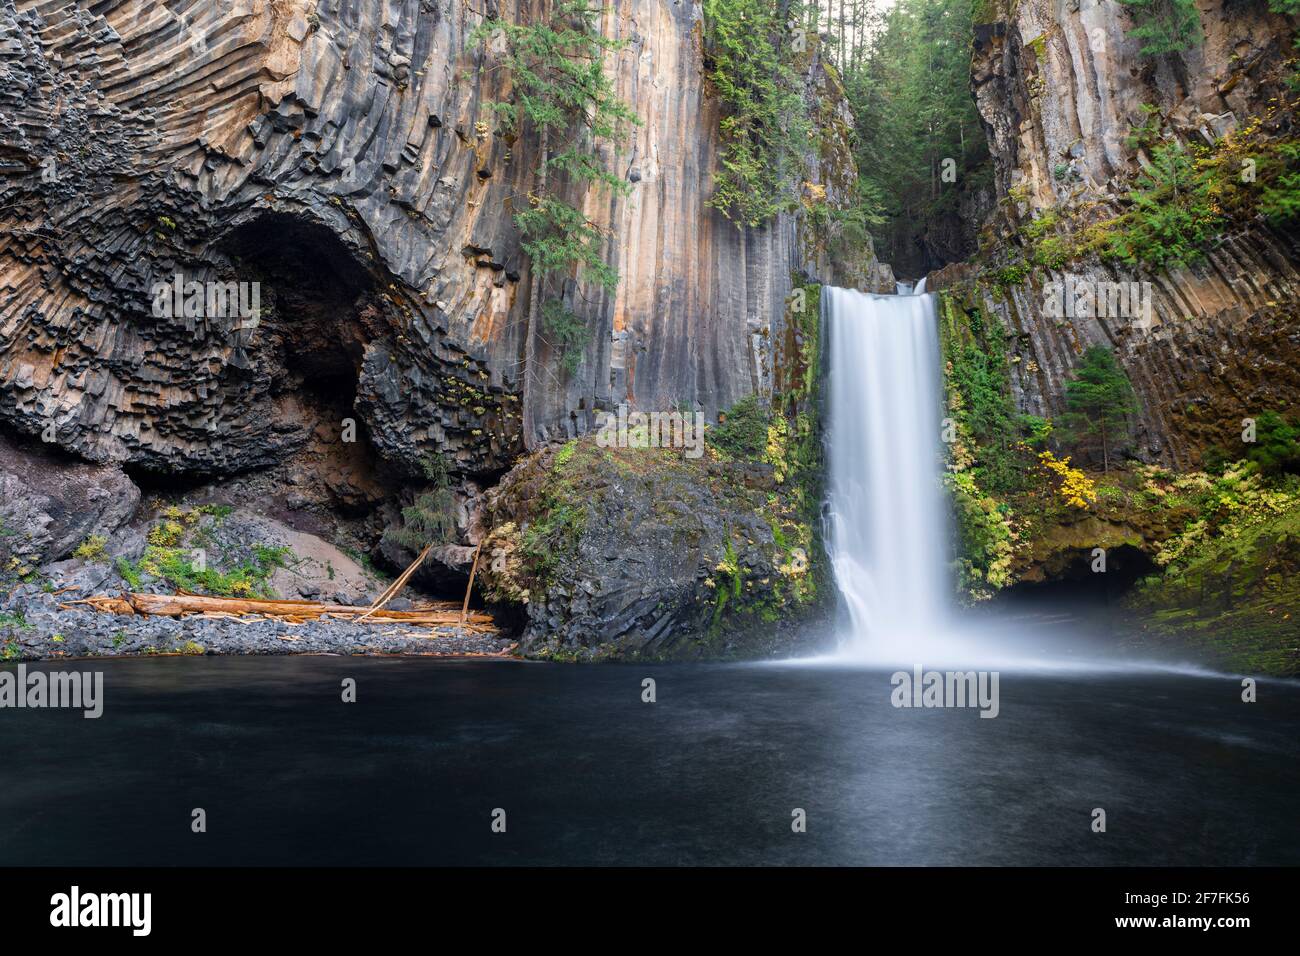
<point x="589" y="774"/>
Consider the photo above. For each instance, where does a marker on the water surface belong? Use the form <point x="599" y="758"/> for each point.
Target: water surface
<point x="589" y="774"/>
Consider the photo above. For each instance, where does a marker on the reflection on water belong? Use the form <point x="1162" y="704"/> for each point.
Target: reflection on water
<point x="589" y="774"/>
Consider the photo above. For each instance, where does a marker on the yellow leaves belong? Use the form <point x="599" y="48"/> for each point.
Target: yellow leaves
<point x="778" y="441"/>
<point x="168" y="534"/>
<point x="797" y="565"/>
<point x="1076" y="488"/>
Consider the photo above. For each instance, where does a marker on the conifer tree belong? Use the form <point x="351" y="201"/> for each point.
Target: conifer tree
<point x="562" y="94"/>
<point x="1100" y="402"/>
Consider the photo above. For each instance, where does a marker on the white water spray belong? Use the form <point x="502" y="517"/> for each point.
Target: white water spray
<point x="886" y="522"/>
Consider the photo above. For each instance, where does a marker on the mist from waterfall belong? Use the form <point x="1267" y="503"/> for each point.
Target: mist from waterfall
<point x="886" y="515"/>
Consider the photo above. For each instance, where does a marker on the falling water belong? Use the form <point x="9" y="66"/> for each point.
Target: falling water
<point x="886" y="518"/>
<point x="887" y="514"/>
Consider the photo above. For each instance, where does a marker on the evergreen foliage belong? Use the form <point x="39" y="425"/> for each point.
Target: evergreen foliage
<point x="1281" y="199"/>
<point x="909" y="85"/>
<point x="1167" y="26"/>
<point x="764" y="124"/>
<point x="431" y="519"/>
<point x="1173" y="211"/>
<point x="1277" y="445"/>
<point x="563" y="93"/>
<point x="567" y="332"/>
<point x="1100" y="403"/>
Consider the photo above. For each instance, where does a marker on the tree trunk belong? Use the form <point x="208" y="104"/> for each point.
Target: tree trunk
<point x="534" y="306"/>
<point x="842" y="47"/>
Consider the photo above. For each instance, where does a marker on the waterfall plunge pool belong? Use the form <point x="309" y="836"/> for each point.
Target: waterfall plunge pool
<point x="710" y="773"/>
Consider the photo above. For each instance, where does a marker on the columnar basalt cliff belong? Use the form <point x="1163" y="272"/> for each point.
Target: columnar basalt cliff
<point x="1060" y="87"/>
<point x="342" y="156"/>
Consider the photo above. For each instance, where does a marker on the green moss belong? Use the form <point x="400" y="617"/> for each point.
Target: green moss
<point x="170" y="556"/>
<point x="991" y="11"/>
<point x="130" y="572"/>
<point x="1010" y="275"/>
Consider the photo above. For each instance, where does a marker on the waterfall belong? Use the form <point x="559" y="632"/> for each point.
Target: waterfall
<point x="885" y="519"/>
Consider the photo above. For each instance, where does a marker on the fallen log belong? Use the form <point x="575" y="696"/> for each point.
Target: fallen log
<point x="293" y="611"/>
<point x="395" y="588"/>
<point x="464" y="608"/>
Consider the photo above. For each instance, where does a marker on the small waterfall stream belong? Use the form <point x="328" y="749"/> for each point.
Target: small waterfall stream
<point x="885" y="519"/>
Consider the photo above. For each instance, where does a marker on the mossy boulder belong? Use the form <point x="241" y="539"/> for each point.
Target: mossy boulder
<point x="628" y="553"/>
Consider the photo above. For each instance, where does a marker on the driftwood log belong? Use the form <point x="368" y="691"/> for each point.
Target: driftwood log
<point x="179" y="605"/>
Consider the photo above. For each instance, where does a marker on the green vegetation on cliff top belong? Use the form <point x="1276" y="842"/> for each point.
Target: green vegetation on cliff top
<point x="764" y="128"/>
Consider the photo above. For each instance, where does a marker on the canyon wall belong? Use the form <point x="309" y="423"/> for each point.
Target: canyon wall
<point x="344" y="156"/>
<point x="1060" y="85"/>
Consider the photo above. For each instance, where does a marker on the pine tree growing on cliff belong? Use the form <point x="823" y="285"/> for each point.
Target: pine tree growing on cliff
<point x="1165" y="26"/>
<point x="763" y="125"/>
<point x="561" y="92"/>
<point x="1100" y="403"/>
<point x="431" y="518"/>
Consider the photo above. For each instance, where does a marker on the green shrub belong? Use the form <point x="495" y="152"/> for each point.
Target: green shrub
<point x="130" y="572"/>
<point x="1173" y="212"/>
<point x="1276" y="448"/>
<point x="92" y="549"/>
<point x="1281" y="199"/>
<point x="1167" y="26"/>
<point x="743" y="431"/>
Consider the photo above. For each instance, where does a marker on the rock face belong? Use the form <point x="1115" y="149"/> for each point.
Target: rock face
<point x="1221" y="346"/>
<point x="49" y="505"/>
<point x="645" y="554"/>
<point x="1059" y="88"/>
<point x="1059" y="85"/>
<point x="337" y="166"/>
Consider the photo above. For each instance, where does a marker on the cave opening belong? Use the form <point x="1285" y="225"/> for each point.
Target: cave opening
<point x="317" y="291"/>
<point x="1074" y="600"/>
<point x="318" y="312"/>
<point x="320" y="309"/>
<point x="1079" y="583"/>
